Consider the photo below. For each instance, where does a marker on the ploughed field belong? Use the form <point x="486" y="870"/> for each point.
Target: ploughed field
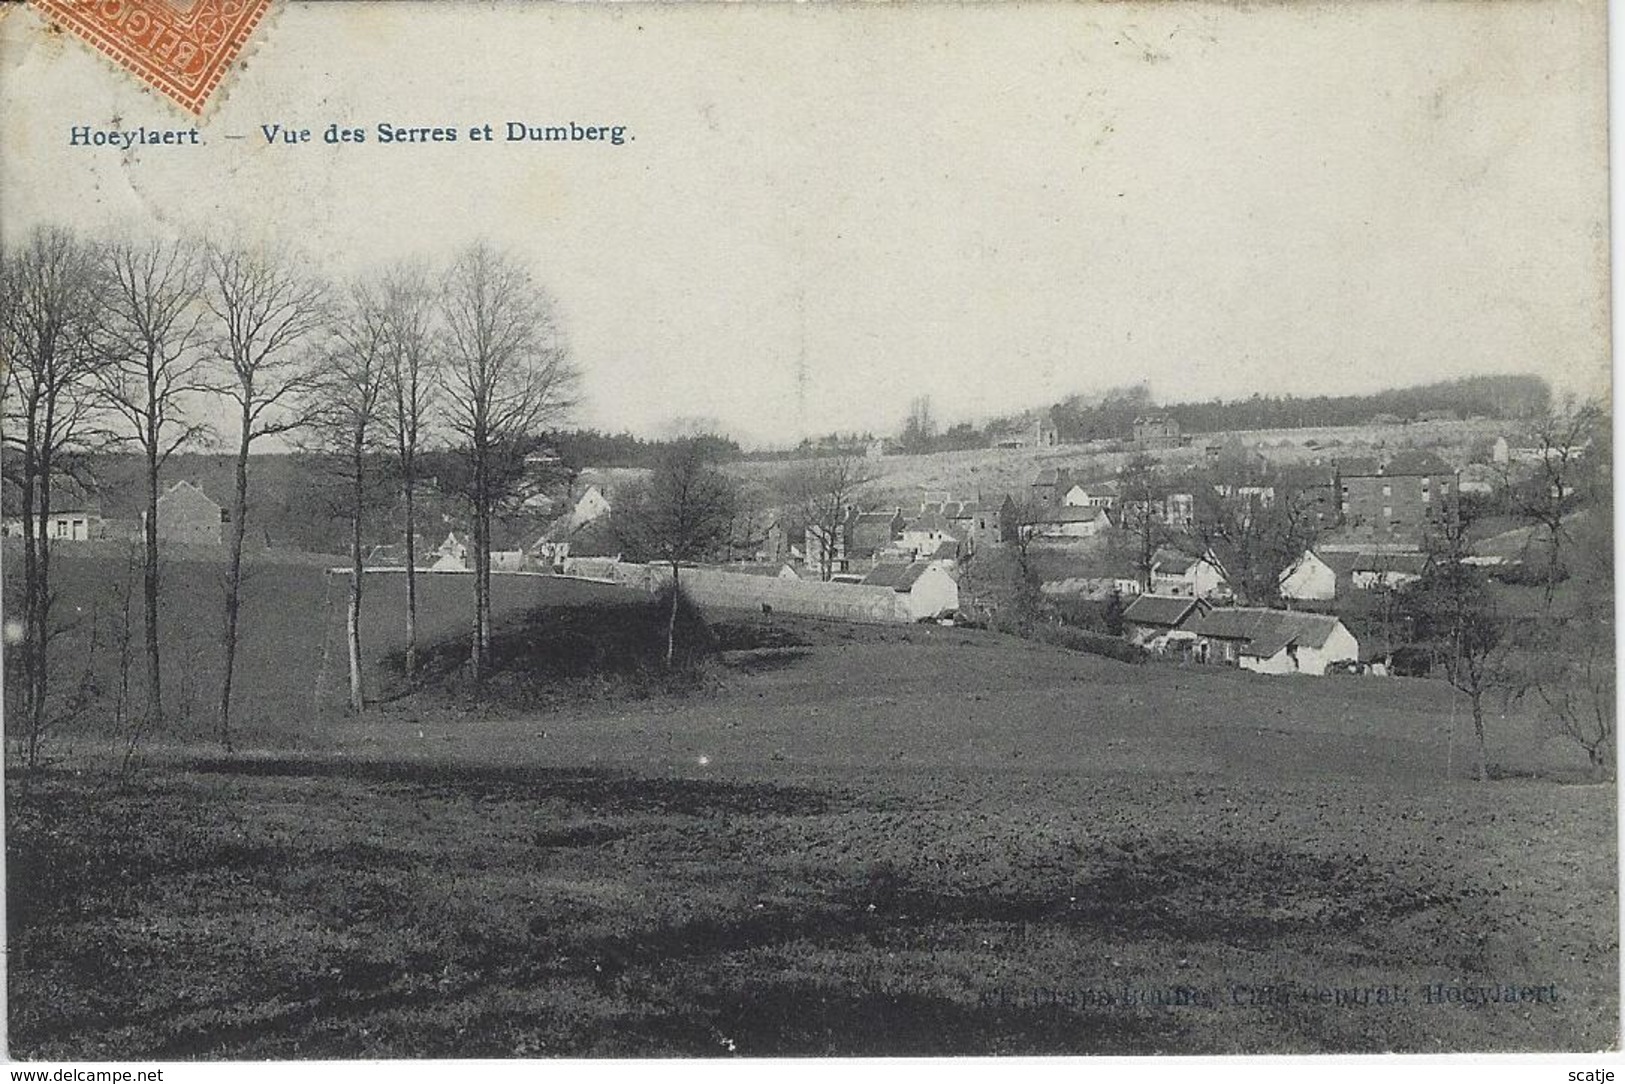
<point x="844" y="841"/>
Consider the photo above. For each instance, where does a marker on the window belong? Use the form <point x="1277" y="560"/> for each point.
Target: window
<point x="1387" y="491"/>
<point x="1387" y="512"/>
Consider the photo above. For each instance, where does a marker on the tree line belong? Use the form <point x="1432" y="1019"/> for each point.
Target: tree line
<point x="155" y="346"/>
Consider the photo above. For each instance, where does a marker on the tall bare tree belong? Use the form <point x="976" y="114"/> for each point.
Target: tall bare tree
<point x="152" y="371"/>
<point x="412" y="362"/>
<point x="1548" y="497"/>
<point x="350" y="439"/>
<point x="50" y="299"/>
<point x="683" y="514"/>
<point x="1249" y="535"/>
<point x="1455" y="617"/>
<point x="825" y="491"/>
<point x="1143" y="512"/>
<point x="266" y="310"/>
<point x="507" y="378"/>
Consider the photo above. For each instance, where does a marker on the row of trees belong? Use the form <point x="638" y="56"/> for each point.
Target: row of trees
<point x="137" y="344"/>
<point x="1110" y="415"/>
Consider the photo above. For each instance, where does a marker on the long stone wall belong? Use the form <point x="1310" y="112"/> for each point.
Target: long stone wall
<point x="810" y="598"/>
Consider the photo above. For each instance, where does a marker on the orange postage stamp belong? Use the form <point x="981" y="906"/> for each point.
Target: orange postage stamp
<point x="182" y="47"/>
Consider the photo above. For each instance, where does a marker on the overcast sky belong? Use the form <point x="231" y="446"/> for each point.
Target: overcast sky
<point x="826" y="211"/>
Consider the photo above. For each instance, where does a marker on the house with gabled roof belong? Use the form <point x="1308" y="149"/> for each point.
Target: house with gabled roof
<point x="928" y="589"/>
<point x="1092" y="495"/>
<point x="1176" y="573"/>
<point x="1273" y="641"/>
<point x="1150" y="619"/>
<point x="1050" y="486"/>
<point x="1316" y="576"/>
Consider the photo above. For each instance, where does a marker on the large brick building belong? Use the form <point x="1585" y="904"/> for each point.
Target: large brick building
<point x="1400" y="501"/>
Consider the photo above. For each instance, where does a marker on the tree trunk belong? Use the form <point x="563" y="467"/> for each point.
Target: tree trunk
<point x="411" y="581"/>
<point x="1478" y="733"/>
<point x="41" y="638"/>
<point x="352" y="617"/>
<point x="234" y="579"/>
<point x="671" y="618"/>
<point x="477" y="647"/>
<point x="149" y="588"/>
<point x="484" y="565"/>
<point x="32" y="655"/>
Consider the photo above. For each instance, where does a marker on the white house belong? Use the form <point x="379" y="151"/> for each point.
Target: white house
<point x="928" y="589"/>
<point x="451" y="555"/>
<point x="1186" y="576"/>
<point x="1273" y="641"/>
<point x="591" y="506"/>
<point x="925" y="535"/>
<point x="1093" y="495"/>
<point x="1309" y="578"/>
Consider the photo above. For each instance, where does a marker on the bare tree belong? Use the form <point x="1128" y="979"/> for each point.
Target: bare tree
<point x="1022" y="521"/>
<point x="348" y="430"/>
<point x="1249" y="535"/>
<point x="825" y="491"/>
<point x="151" y="372"/>
<point x="266" y="310"/>
<point x="920" y="429"/>
<point x="753" y="519"/>
<point x="1549" y="496"/>
<point x="507" y="378"/>
<point x="50" y="297"/>
<point x="1143" y="512"/>
<point x="1455" y="617"/>
<point x="1577" y="688"/>
<point x="683" y="514"/>
<point x="411" y="372"/>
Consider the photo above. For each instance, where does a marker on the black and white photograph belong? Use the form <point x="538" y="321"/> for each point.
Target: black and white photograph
<point x="780" y="530"/>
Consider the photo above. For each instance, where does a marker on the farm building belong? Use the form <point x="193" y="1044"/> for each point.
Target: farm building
<point x="989" y="520"/>
<point x="856" y="542"/>
<point x="1071" y="521"/>
<point x="928" y="589"/>
<point x="1091" y="495"/>
<point x="592" y="505"/>
<point x="187" y="514"/>
<point x="1316" y="577"/>
<point x="1273" y="641"/>
<point x="1174" y="573"/>
<point x="1372" y="571"/>
<point x="1176" y="510"/>
<point x="70" y="525"/>
<point x="1156" y="431"/>
<point x="451" y="555"/>
<point x="1150" y="618"/>
<point x="1051" y="486"/>
<point x="926" y="533"/>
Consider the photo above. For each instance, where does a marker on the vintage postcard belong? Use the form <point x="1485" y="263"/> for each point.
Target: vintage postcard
<point x="766" y="529"/>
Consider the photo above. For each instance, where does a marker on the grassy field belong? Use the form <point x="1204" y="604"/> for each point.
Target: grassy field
<point x="847" y="840"/>
<point x="291" y="664"/>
